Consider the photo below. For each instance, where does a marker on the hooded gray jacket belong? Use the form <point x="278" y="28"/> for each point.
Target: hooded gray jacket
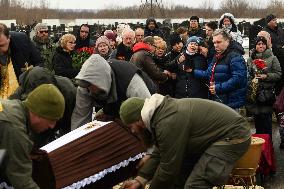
<point x="97" y="71"/>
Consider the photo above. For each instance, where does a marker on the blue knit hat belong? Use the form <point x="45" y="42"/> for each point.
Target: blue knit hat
<point x="198" y="40"/>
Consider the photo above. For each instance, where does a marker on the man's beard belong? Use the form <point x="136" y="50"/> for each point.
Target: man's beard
<point x="42" y="39"/>
<point x="146" y="138"/>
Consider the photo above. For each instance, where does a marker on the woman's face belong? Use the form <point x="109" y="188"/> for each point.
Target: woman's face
<point x="70" y="45"/>
<point x="160" y="51"/>
<point x="260" y="47"/>
<point x="227" y="22"/>
<point x="103" y="48"/>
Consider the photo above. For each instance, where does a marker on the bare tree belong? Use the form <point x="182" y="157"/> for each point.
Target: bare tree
<point x="208" y="7"/>
<point x="28" y="11"/>
<point x="276" y="7"/>
<point x="236" y="7"/>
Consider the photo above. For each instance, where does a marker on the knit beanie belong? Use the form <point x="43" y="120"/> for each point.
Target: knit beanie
<point x="46" y="101"/>
<point x="269" y="18"/>
<point x="107" y="31"/>
<point x="40" y="26"/>
<point x="102" y="39"/>
<point x="195" y="39"/>
<point x="194" y="18"/>
<point x="130" y="110"/>
<point x="174" y="39"/>
<point x="111" y="36"/>
<point x="262" y="39"/>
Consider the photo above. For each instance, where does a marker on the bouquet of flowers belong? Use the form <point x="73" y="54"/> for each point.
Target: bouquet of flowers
<point x="80" y="56"/>
<point x="260" y="67"/>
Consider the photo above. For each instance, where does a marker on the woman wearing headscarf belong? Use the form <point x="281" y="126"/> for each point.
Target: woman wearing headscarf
<point x="264" y="70"/>
<point x="103" y="47"/>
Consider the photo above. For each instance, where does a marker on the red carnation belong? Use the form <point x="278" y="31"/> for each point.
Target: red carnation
<point x="81" y="55"/>
<point x="260" y="64"/>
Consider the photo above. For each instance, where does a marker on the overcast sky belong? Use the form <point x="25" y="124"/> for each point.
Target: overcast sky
<point x="101" y="4"/>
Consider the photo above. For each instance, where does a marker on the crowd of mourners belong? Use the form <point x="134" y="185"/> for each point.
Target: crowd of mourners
<point x="195" y="62"/>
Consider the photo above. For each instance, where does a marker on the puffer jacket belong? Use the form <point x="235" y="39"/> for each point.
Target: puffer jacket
<point x="230" y="76"/>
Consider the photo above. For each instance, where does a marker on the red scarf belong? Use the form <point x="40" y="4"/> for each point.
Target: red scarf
<point x="218" y="57"/>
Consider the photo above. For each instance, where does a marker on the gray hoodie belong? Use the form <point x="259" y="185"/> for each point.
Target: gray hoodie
<point x="97" y="71"/>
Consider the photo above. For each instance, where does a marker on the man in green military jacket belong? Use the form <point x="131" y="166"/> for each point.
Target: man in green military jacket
<point x="197" y="141"/>
<point x="39" y="112"/>
<point x="44" y="44"/>
<point x="36" y="76"/>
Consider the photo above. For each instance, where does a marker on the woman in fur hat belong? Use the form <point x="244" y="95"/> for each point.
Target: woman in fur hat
<point x="103" y="47"/>
<point x="227" y="21"/>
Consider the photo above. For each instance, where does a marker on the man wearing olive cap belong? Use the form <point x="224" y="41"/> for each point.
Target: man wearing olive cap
<point x="197" y="141"/>
<point x="39" y="112"/>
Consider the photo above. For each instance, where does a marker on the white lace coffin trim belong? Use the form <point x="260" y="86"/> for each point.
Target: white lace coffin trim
<point x="102" y="174"/>
<point x="93" y="178"/>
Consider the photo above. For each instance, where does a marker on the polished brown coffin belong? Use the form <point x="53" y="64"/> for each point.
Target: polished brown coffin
<point x="88" y="155"/>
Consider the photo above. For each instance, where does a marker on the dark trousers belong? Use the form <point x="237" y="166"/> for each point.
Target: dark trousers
<point x="263" y="124"/>
<point x="215" y="165"/>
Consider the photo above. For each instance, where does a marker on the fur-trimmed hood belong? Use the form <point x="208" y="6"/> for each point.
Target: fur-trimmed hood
<point x="232" y="19"/>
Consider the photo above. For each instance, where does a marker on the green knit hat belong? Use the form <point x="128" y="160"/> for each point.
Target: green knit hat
<point x="130" y="110"/>
<point x="46" y="101"/>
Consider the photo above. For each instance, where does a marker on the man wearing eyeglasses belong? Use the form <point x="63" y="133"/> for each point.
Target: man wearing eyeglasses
<point x="17" y="53"/>
<point x="83" y="37"/>
<point x="44" y="44"/>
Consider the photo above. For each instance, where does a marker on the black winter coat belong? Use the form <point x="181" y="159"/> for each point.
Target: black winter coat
<point x="187" y="85"/>
<point x="22" y="51"/>
<point x="62" y="62"/>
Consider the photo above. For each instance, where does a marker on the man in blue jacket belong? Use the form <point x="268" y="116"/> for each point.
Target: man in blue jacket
<point x="227" y="74"/>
